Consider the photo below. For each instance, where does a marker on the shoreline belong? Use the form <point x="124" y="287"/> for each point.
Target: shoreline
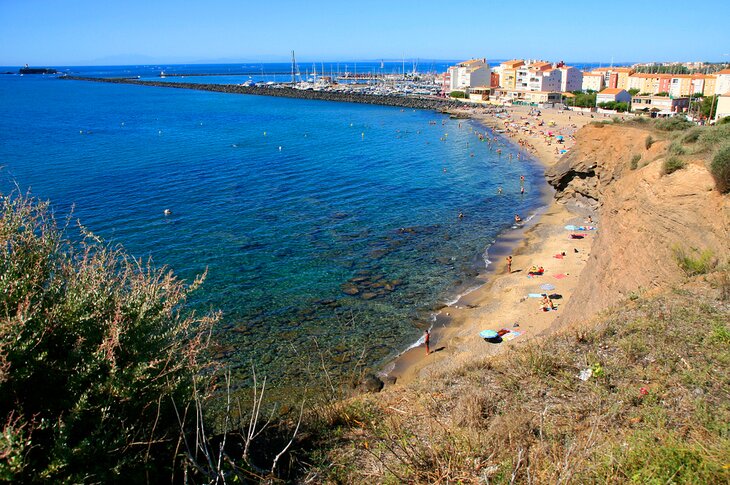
<point x="501" y="300"/>
<point x="455" y="327"/>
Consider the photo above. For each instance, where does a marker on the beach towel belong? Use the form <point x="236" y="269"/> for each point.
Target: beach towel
<point x="512" y="335"/>
<point x="534" y="295"/>
<point x="558" y="256"/>
<point x="560" y="276"/>
<point x="547" y="287"/>
<point x="577" y="236"/>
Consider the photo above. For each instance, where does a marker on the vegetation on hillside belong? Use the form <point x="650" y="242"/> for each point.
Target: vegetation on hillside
<point x="640" y="396"/>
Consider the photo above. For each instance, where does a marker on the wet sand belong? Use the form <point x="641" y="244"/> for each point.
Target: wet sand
<point x="502" y="301"/>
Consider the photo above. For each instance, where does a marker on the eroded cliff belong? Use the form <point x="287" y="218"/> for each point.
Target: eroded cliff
<point x="644" y="215"/>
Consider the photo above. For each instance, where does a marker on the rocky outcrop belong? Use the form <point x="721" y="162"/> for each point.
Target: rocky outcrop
<point x="413" y="102"/>
<point x="644" y="216"/>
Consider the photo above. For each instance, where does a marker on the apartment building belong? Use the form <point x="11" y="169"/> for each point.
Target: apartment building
<point x="475" y="72"/>
<point x="592" y="82"/>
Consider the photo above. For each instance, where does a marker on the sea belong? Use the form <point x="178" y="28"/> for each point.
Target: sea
<point x="330" y="232"/>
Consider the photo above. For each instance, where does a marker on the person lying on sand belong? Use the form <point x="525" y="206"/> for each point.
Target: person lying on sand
<point x="546" y="304"/>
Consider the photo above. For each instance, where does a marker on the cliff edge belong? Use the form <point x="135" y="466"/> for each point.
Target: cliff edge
<point x="644" y="214"/>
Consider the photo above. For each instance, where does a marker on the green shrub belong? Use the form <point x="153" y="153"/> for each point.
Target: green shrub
<point x="672" y="164"/>
<point x="720" y="169"/>
<point x="675" y="123"/>
<point x="723" y="121"/>
<point x="457" y="94"/>
<point x="703" y="263"/>
<point x="635" y="161"/>
<point x="692" y="135"/>
<point x="95" y="351"/>
<point x="676" y="148"/>
<point x="648" y="142"/>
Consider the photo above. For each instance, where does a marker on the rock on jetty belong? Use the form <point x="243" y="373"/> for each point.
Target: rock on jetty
<point x="414" y="102"/>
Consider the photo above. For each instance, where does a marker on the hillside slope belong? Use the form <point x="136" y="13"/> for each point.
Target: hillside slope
<point x="644" y="216"/>
<point x="632" y="387"/>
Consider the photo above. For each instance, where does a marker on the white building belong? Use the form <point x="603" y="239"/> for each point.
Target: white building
<point x="613" y="94"/>
<point x="547" y="80"/>
<point x="571" y="79"/>
<point x="723" y="82"/>
<point x="592" y="82"/>
<point x="723" y="106"/>
<point x="468" y="74"/>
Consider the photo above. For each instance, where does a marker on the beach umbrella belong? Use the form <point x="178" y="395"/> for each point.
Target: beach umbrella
<point x="547" y="287"/>
<point x="488" y="334"/>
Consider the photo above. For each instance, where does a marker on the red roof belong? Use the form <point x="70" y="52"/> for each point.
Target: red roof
<point x="611" y="91"/>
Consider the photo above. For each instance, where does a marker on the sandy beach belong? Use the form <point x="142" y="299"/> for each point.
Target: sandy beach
<point x="510" y="301"/>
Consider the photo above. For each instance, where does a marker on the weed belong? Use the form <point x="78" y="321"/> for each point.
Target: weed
<point x="720" y="334"/>
<point x="672" y="164"/>
<point x="648" y="142"/>
<point x="702" y="264"/>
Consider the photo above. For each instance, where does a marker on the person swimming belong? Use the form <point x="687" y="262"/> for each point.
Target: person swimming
<point x="518" y="219"/>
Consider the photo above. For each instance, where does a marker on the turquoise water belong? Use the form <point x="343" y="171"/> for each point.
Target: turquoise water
<point x="286" y="202"/>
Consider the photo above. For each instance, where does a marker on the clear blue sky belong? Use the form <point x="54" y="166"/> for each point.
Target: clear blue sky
<point x="72" y="32"/>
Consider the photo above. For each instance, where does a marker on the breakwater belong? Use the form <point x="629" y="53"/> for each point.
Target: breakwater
<point x="414" y="102"/>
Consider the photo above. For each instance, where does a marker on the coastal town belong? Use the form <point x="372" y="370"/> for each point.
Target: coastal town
<point x="653" y="89"/>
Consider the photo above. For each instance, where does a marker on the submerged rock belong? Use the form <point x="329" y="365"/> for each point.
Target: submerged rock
<point x="371" y="383"/>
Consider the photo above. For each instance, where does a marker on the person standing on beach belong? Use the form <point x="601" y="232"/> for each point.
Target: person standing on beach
<point x="509" y="264"/>
<point x="427" y="341"/>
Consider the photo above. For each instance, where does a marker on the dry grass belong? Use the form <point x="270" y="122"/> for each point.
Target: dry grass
<point x="657" y="409"/>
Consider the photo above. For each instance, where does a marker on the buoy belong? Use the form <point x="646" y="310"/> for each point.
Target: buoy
<point x="168" y="212"/>
<point x="279" y="148"/>
<point x="264" y="133"/>
<point x="362" y="135"/>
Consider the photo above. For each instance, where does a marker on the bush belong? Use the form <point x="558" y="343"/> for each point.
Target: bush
<point x="723" y="121"/>
<point x="672" y="164"/>
<point x="692" y="135"/>
<point x="635" y="161"/>
<point x="457" y="94"/>
<point x="95" y="351"/>
<point x="676" y="148"/>
<point x="675" y="123"/>
<point x="720" y="169"/>
<point x="648" y="142"/>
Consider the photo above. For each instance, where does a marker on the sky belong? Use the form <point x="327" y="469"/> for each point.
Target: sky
<point x="97" y="32"/>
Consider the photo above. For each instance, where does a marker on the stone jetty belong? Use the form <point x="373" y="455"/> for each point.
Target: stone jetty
<point x="414" y="102"/>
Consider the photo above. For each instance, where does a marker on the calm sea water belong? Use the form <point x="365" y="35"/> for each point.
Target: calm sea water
<point x="290" y="205"/>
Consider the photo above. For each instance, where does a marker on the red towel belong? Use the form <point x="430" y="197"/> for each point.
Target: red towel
<point x="560" y="276"/>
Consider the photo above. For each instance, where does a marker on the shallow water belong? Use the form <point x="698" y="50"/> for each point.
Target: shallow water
<point x="288" y="203"/>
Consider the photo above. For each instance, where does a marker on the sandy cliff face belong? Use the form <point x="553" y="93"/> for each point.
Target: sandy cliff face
<point x="642" y="215"/>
